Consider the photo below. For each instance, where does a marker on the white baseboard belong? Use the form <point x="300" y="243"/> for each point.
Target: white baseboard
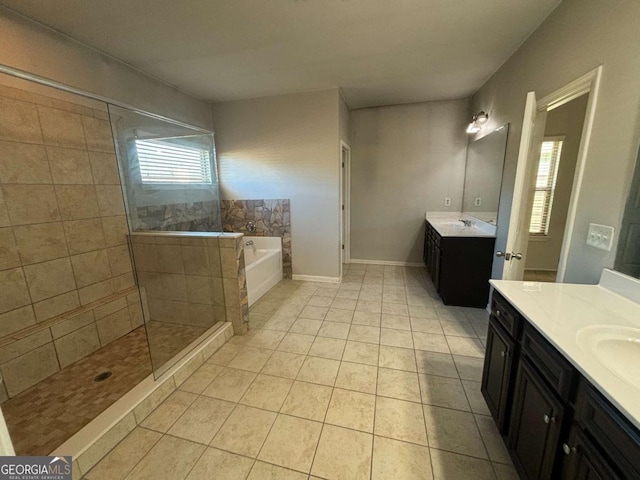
<point x="541" y="269"/>
<point x="316" y="278"/>
<point x="389" y="262"/>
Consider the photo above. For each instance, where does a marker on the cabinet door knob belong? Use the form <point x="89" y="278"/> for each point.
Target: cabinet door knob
<point x="548" y="419"/>
<point x="498" y="313"/>
<point x="504" y="354"/>
<point x="568" y="450"/>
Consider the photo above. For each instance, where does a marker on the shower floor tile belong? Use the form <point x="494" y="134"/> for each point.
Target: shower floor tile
<point x="345" y="408"/>
<point x="46" y="415"/>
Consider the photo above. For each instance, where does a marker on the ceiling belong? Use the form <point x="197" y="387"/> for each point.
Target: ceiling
<point x="378" y="52"/>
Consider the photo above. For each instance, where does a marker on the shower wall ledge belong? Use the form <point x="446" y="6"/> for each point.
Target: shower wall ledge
<point x="105" y="320"/>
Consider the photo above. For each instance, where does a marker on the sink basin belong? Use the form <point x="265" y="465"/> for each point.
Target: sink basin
<point x="617" y="348"/>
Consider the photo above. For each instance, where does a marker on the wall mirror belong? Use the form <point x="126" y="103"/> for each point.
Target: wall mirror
<point x="628" y="252"/>
<point x="483" y="175"/>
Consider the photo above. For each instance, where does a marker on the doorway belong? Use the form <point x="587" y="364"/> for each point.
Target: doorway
<point x="551" y="161"/>
<point x="553" y="179"/>
<point x="345" y="204"/>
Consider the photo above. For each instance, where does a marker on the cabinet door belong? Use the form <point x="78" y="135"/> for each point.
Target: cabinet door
<point x="496" y="376"/>
<point x="437" y="261"/>
<point x="424" y="250"/>
<point x="534" y="428"/>
<point x="583" y="461"/>
<point x="432" y="270"/>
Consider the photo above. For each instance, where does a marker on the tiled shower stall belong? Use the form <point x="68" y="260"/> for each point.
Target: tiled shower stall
<point x="69" y="292"/>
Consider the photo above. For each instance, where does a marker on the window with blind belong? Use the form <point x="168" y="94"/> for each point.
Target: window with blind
<point x="162" y="162"/>
<point x="545" y="186"/>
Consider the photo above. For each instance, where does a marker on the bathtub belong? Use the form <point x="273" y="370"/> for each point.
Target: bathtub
<point x="263" y="264"/>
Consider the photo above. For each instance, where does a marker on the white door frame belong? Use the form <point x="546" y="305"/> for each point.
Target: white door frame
<point x="588" y="83"/>
<point x="345" y="199"/>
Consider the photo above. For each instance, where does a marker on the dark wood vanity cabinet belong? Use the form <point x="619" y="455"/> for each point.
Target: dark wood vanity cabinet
<point x="583" y="459"/>
<point x="536" y="422"/>
<point x="555" y="424"/>
<point x="460" y="267"/>
<point x="499" y="360"/>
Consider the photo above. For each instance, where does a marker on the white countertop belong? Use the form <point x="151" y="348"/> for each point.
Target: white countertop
<point x="561" y="312"/>
<point x="448" y="224"/>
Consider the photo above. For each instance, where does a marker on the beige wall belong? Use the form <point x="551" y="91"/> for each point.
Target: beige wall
<point x="577" y="37"/>
<point x="287" y="147"/>
<point x="344" y="119"/>
<point x="567" y="121"/>
<point x="405" y="160"/>
<point x="33" y="48"/>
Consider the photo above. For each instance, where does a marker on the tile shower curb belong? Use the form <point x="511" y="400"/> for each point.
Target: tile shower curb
<point x="102" y="434"/>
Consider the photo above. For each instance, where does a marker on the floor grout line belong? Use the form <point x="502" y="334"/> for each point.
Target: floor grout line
<point x="274" y="347"/>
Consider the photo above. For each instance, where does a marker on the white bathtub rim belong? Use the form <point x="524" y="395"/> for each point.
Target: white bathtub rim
<point x="271" y="253"/>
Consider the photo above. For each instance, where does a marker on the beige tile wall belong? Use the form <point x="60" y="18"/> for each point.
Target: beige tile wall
<point x="34" y="353"/>
<point x="63" y="244"/>
<point x="192" y="278"/>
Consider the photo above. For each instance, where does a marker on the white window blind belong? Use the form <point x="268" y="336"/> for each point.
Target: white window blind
<point x="164" y="162"/>
<point x="545" y="186"/>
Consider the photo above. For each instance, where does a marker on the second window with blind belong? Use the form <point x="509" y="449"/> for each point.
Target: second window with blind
<point x="545" y="185"/>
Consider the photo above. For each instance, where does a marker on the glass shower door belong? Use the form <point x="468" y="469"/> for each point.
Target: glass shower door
<point x="170" y="182"/>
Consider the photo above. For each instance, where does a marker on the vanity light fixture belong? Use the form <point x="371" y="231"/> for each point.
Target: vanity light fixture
<point x="477" y="122"/>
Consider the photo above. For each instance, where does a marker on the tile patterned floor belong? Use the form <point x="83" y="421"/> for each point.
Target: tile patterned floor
<point x="166" y="340"/>
<point x="49" y="413"/>
<point x="46" y="415"/>
<point x="372" y="378"/>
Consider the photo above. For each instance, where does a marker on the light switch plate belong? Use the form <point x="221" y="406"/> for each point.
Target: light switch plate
<point x="600" y="236"/>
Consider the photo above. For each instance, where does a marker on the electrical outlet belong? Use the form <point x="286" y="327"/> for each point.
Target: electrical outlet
<point x="477" y="202"/>
<point x="447" y="202"/>
<point x="600" y="236"/>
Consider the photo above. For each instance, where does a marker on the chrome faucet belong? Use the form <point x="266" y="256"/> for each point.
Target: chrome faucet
<point x="466" y="223"/>
<point x="251" y="227"/>
<point x="249" y="243"/>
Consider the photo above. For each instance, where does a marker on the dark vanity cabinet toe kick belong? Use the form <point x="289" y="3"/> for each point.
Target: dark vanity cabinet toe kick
<point x="460" y="267"/>
<point x="556" y="425"/>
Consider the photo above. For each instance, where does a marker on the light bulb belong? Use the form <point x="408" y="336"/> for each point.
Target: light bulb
<point x="473" y="128"/>
<point x="481" y="118"/>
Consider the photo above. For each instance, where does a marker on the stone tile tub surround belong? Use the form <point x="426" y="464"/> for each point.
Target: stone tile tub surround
<point x="179" y="217"/>
<point x="271" y="217"/>
<point x="65" y="270"/>
<point x="192" y="278"/>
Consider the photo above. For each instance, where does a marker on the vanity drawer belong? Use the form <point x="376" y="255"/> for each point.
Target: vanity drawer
<point x="609" y="430"/>
<point x="505" y="314"/>
<point x="552" y="365"/>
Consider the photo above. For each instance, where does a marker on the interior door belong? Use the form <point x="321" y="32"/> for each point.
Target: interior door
<point x="528" y="154"/>
<point x="345" y="256"/>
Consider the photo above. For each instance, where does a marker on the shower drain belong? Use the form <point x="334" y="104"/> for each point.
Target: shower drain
<point x="101" y="377"/>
